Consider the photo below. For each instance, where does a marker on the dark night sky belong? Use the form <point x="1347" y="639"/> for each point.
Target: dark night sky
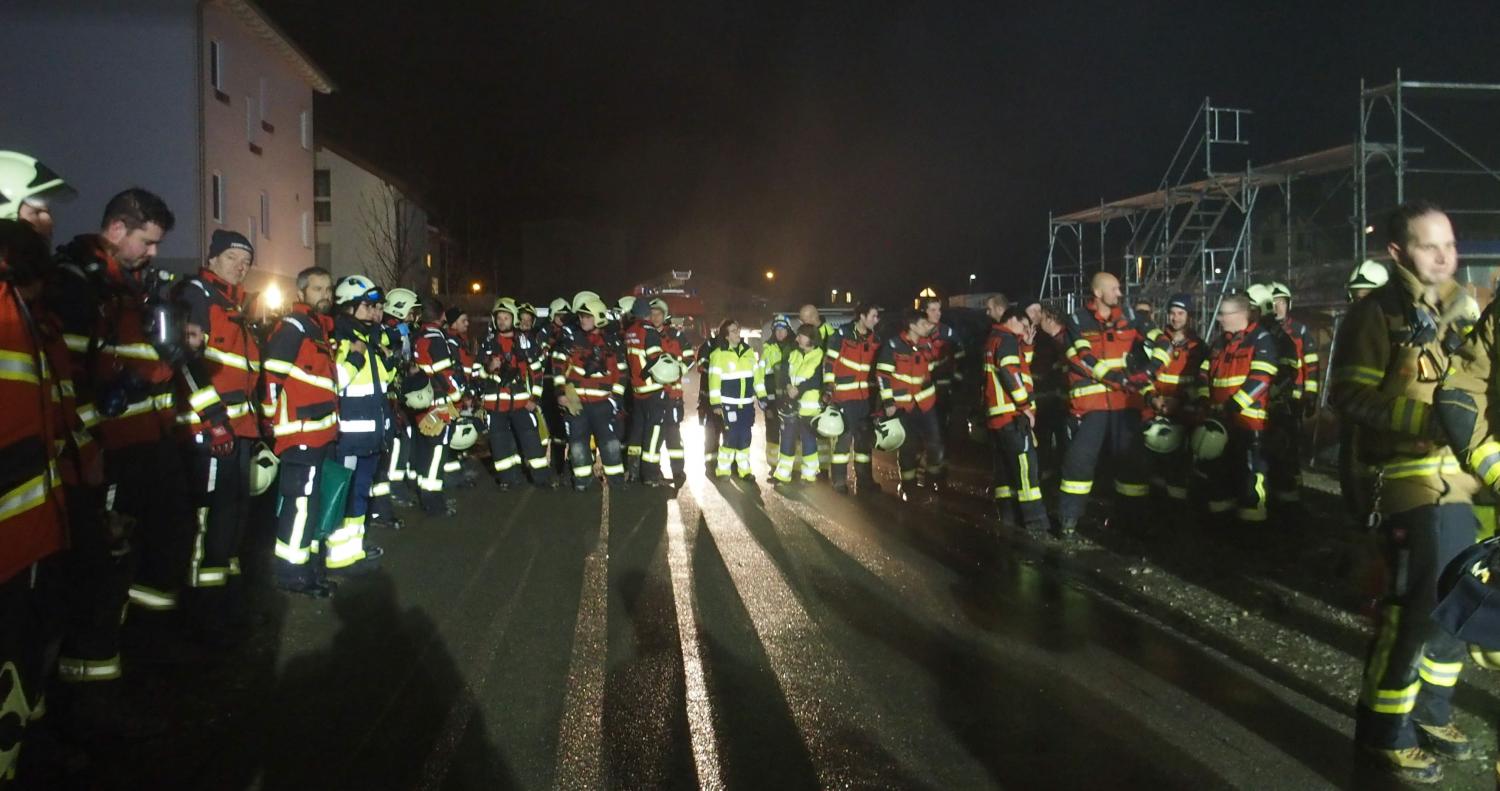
<point x="845" y="143"/>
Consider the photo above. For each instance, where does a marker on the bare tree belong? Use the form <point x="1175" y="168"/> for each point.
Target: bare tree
<point x="392" y="230"/>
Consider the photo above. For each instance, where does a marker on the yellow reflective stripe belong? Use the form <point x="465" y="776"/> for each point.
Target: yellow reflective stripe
<point x="845" y="386"/>
<point x="1408" y="415"/>
<point x="1169" y="379"/>
<point x="26" y="496"/>
<point x="296" y="426"/>
<point x="1310" y="386"/>
<point x="1076" y="487"/>
<point x="1132" y="489"/>
<point x="76" y="343"/>
<point x="1229" y="381"/>
<point x="1396" y="701"/>
<point x="1085" y="390"/>
<point x="1002" y="409"/>
<point x="228" y="358"/>
<point x="1443" y="674"/>
<point x="1244" y="399"/>
<point x="1253" y="413"/>
<point x="1010" y="359"/>
<point x="204" y="398"/>
<point x="18" y="367"/>
<point x="1440" y="464"/>
<point x="1357" y="374"/>
<point x="1310" y="357"/>
<point x="1485" y="461"/>
<point x="1263" y="367"/>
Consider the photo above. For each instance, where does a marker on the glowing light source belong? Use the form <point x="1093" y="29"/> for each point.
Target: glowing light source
<point x="272" y="298"/>
<point x="476" y="286"/>
<point x="770" y="274"/>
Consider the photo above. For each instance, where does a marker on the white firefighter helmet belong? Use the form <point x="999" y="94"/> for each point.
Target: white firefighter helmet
<point x="557" y="306"/>
<point x="399" y="302"/>
<point x="355" y="288"/>
<point x="525" y="307"/>
<point x="583" y="298"/>
<point x="1209" y="440"/>
<point x="889" y="434"/>
<point x="1369" y="275"/>
<point x="661" y="304"/>
<point x="23" y="178"/>
<point x="1260" y="298"/>
<point x="465" y="434"/>
<point x="1280" y="290"/>
<point x="507" y="305"/>
<point x="595" y="308"/>
<point x="666" y="370"/>
<point x="419" y="399"/>
<point x="1163" y="436"/>
<point x="625" y="304"/>
<point x="263" y="468"/>
<point x="829" y="423"/>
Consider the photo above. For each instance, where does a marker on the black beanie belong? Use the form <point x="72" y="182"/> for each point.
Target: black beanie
<point x="451" y="315"/>
<point x="229" y="240"/>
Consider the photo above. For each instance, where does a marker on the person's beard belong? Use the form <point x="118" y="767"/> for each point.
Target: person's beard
<point x="324" y="306"/>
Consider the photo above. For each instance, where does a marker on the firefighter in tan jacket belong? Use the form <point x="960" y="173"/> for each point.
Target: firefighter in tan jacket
<point x="1392" y="351"/>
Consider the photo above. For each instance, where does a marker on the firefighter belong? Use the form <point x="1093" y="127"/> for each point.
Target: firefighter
<point x="402" y="310"/>
<point x="658" y="406"/>
<point x="800" y="399"/>
<point x="29" y="189"/>
<point x="904" y="369"/>
<point x="1356" y="479"/>
<point x="1180" y="354"/>
<point x="713" y="428"/>
<point x="510" y="389"/>
<point x="1390" y="354"/>
<point x="1009" y="415"/>
<point x="365" y="417"/>
<point x="588" y="376"/>
<point x="104" y="290"/>
<point x="948" y="363"/>
<point x="848" y="384"/>
<point x="301" y="406"/>
<point x="456" y="324"/>
<point x="35" y="438"/>
<point x="1365" y="278"/>
<point x="809" y="314"/>
<point x="222" y="379"/>
<point x="433" y="356"/>
<point x="558" y="317"/>
<point x="1234" y="387"/>
<point x="735" y="382"/>
<point x="1110" y="369"/>
<point x="526" y="319"/>
<point x="1049" y="372"/>
<point x="633" y="339"/>
<point x="1284" y="444"/>
<point x="772" y="354"/>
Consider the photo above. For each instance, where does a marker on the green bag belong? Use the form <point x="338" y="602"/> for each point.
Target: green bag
<point x="333" y="497"/>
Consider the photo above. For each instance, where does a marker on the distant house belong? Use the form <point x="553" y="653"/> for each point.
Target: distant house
<point x="369" y="222"/>
<point x="205" y="102"/>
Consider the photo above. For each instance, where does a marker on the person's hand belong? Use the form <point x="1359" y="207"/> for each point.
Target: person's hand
<point x="792" y="392"/>
<point x="357" y="346"/>
<point x="1030" y="414"/>
<point x="218" y="439"/>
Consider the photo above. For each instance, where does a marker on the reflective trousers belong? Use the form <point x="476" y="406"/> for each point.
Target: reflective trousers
<point x="1017" y="475"/>
<point x="427" y="459"/>
<point x="221" y="487"/>
<point x="93" y="580"/>
<point x="27" y="609"/>
<point x="773" y="432"/>
<point x="1115" y="435"/>
<point x="516" y="443"/>
<point x="299" y="482"/>
<point x="345" y="546"/>
<point x="855" y="444"/>
<point x="661" y="419"/>
<point x="797" y="440"/>
<point x="924" y="435"/>
<point x="1282" y="446"/>
<point x="149" y="483"/>
<point x="734" y="449"/>
<point x="712" y="429"/>
<point x="1236" y="481"/>
<point x="394" y="470"/>
<point x="1413" y="665"/>
<point x="596" y="420"/>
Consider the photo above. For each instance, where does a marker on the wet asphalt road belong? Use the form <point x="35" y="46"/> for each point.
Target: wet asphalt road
<point x="728" y="636"/>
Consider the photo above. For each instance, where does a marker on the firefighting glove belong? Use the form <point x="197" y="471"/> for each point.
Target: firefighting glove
<point x="1138" y="381"/>
<point x="217" y="439"/>
<point x="1116" y="379"/>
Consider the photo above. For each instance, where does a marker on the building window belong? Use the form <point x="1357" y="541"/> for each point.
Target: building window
<point x="322" y="196"/>
<point x="307" y="229"/>
<point x="434" y="286"/>
<point x="324" y="256"/>
<point x="216" y="196"/>
<point x="306" y="123"/>
<point x="215" y="66"/>
<point x="429" y="260"/>
<point x="265" y="215"/>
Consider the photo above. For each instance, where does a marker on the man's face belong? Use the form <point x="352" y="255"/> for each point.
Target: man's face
<point x="934" y="313"/>
<point x="1143" y="309"/>
<point x="658" y="317"/>
<point x="1109" y="294"/>
<point x="503" y="321"/>
<point x="781" y="333"/>
<point x="1177" y="319"/>
<point x="319" y="293"/>
<point x="1018" y="325"/>
<point x="527" y="321"/>
<point x="1431" y="252"/>
<point x="1357" y="294"/>
<point x="1282" y="306"/>
<point x="586" y="322"/>
<point x="366" y="311"/>
<point x="871" y="319"/>
<point x="1233" y="317"/>
<point x="133" y="249"/>
<point x="37" y="215"/>
<point x="921" y="328"/>
<point x="808" y="314"/>
<point x="460" y="326"/>
<point x="559" y="318"/>
<point x="994" y="310"/>
<point x="232" y="265"/>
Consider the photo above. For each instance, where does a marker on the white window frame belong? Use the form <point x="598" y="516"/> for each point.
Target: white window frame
<point x="306" y="122"/>
<point x="216" y="64"/>
<point x="253" y="232"/>
<point x="307" y="229"/>
<point x="265" y="214"/>
<point x="216" y="200"/>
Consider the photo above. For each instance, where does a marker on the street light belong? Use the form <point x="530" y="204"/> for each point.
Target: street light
<point x="272" y="298"/>
<point x="971" y="281"/>
<point x="476" y="286"/>
<point x="770" y="274"/>
<point x="834" y="297"/>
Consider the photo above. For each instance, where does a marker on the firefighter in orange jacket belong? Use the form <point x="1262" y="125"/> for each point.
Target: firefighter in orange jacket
<point x="301" y="408"/>
<point x="1234" y="386"/>
<point x="435" y="358"/>
<point x="1180" y="353"/>
<point x="904" y="369"/>
<point x="1010" y="414"/>
<point x="658" y="407"/>
<point x="220" y="382"/>
<point x="103" y="291"/>
<point x="511" y="371"/>
<point x="1300" y="402"/>
<point x="1110" y="369"/>
<point x="948" y="358"/>
<point x="849" y="384"/>
<point x="589" y="379"/>
<point x="33" y="438"/>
